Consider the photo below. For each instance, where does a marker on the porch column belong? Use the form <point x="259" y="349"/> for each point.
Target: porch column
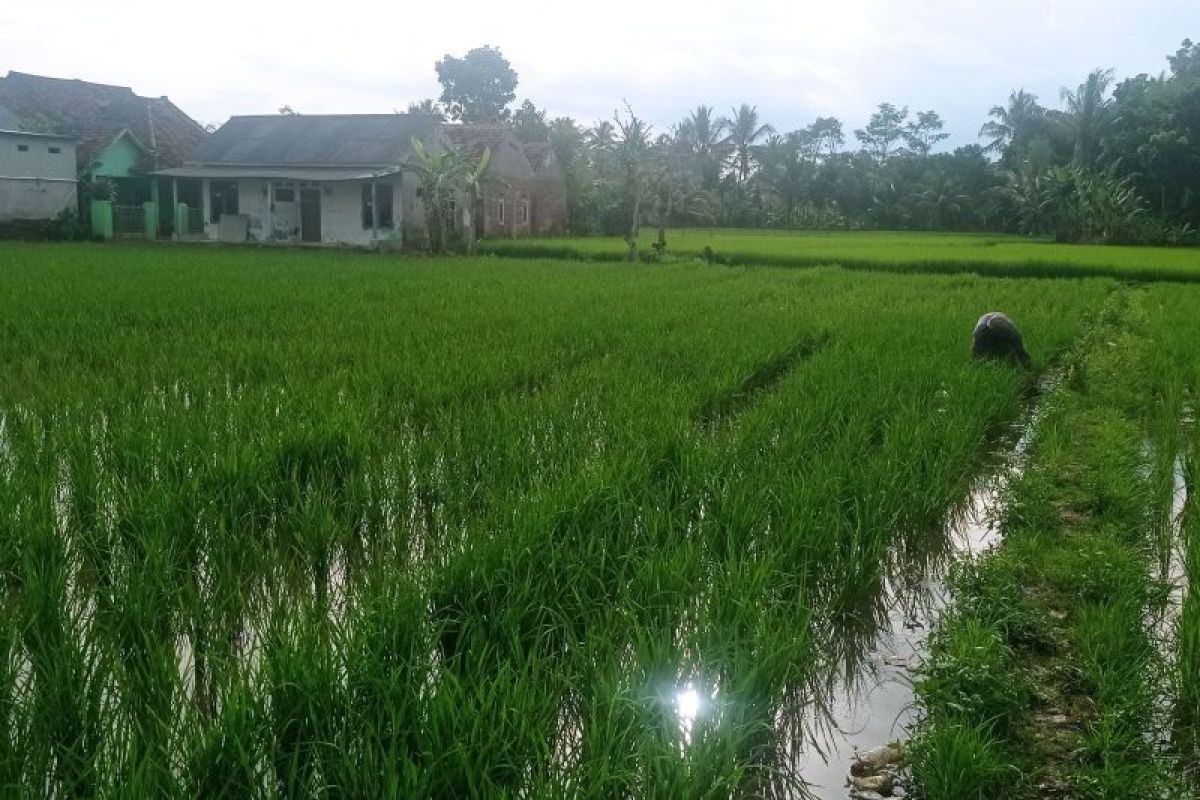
<point x="269" y="233"/>
<point x="205" y="203"/>
<point x="175" y="234"/>
<point x="374" y="212"/>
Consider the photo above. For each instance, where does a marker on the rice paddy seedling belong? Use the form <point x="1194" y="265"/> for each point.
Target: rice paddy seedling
<point x="1089" y="532"/>
<point x="330" y="524"/>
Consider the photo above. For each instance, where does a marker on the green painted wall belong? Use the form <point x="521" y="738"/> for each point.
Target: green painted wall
<point x="118" y="160"/>
<point x="102" y="219"/>
<point x="150" y="219"/>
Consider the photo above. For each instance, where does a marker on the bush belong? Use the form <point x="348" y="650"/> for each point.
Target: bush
<point x="66" y="227"/>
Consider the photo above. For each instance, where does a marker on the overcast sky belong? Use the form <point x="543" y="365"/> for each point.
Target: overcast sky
<point x="794" y="60"/>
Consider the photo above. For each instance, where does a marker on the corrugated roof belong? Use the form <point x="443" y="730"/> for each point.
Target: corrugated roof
<point x="316" y="139"/>
<point x="278" y="173"/>
<point x="96" y="113"/>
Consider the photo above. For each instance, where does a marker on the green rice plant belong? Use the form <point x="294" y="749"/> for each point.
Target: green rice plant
<point x="987" y="254"/>
<point x="293" y="523"/>
<point x="1081" y="539"/>
<point x="959" y="760"/>
<point x="971" y="677"/>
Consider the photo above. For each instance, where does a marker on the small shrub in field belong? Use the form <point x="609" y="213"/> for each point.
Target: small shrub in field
<point x="970" y="676"/>
<point x="961" y="762"/>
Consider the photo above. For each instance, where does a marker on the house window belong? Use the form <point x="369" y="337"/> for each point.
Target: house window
<point x="284" y="193"/>
<point x="383" y="196"/>
<point x="22" y="148"/>
<point x="523" y="212"/>
<point x="54" y="150"/>
<point x="500" y="210"/>
<point x="377" y="205"/>
<point x="222" y="199"/>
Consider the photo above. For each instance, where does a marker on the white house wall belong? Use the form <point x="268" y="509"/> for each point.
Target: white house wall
<point x="341" y="213"/>
<point x="35" y="183"/>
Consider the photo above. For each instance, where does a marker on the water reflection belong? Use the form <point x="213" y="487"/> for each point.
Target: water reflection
<point x="688" y="706"/>
<point x="1174" y="570"/>
<point x="871" y="699"/>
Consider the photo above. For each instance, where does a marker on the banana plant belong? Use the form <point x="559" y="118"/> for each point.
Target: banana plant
<point x="440" y="175"/>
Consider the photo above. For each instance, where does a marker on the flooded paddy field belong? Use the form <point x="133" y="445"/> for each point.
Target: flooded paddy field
<point x="291" y="524"/>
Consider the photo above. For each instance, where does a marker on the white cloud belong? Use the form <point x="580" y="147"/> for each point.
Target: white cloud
<point x="794" y="60"/>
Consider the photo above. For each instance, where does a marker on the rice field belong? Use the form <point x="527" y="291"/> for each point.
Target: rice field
<point x="986" y="254"/>
<point x="327" y="524"/>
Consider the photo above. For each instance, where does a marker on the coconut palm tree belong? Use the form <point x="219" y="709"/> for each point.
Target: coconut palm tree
<point x="1088" y="111"/>
<point x="785" y="170"/>
<point x="941" y="198"/>
<point x="704" y="137"/>
<point x="1014" y="123"/>
<point x="632" y="145"/>
<point x="744" y="133"/>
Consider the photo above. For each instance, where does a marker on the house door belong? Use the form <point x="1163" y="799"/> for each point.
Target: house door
<point x="310" y="215"/>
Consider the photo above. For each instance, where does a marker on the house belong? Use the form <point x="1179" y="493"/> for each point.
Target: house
<point x="37" y="172"/>
<point x="527" y="195"/>
<point x="342" y="179"/>
<point x="332" y="179"/>
<point x="121" y="138"/>
<point x="548" y="190"/>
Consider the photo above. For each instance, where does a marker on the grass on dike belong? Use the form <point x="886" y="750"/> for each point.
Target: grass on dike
<point x="986" y="254"/>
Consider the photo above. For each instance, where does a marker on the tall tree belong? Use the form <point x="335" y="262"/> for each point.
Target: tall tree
<point x="923" y="133"/>
<point x="787" y="166"/>
<point x="1013" y="125"/>
<point x="827" y="131"/>
<point x="1186" y="61"/>
<point x="884" y="130"/>
<point x="477" y="87"/>
<point x="529" y="123"/>
<point x="704" y="137"/>
<point x="1088" y="113"/>
<point x="745" y="131"/>
<point x="632" y="142"/>
<point x="1152" y="138"/>
<point x="570" y="148"/>
<point x="674" y="179"/>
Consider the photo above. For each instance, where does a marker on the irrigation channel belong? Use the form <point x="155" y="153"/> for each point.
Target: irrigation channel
<point x="872" y="703"/>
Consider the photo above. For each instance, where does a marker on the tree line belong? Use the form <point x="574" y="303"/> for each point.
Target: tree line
<point x="1116" y="162"/>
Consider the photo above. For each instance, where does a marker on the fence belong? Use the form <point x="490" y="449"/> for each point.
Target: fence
<point x="110" y="220"/>
<point x="195" y="220"/>
<point x="128" y="220"/>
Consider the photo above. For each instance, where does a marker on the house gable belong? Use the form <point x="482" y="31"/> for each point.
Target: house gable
<point x="124" y="157"/>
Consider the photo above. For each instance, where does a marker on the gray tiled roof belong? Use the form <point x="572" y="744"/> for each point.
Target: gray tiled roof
<point x="8" y="120"/>
<point x="316" y="139"/>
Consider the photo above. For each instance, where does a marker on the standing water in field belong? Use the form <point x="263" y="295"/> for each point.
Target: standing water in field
<point x="1174" y="570"/>
<point x="873" y="703"/>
